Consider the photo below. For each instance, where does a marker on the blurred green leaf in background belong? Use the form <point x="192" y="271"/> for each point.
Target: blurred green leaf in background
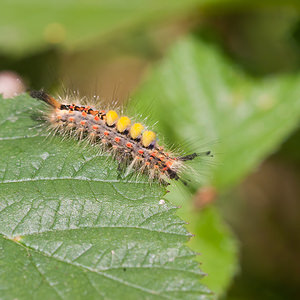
<point x="206" y="98"/>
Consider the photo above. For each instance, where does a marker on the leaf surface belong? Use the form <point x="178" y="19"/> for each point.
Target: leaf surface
<point x="70" y="229"/>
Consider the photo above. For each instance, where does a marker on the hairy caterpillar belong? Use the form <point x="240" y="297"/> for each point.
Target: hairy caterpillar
<point x="128" y="143"/>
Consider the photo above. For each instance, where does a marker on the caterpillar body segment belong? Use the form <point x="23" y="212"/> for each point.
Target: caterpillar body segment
<point x="129" y="142"/>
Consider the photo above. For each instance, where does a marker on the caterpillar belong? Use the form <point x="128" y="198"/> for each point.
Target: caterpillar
<point x="127" y="142"/>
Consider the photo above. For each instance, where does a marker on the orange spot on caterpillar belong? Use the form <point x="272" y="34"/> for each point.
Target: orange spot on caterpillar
<point x="84" y="114"/>
<point x="169" y="163"/>
<point x="117" y="139"/>
<point x="147" y="163"/>
<point x="141" y="151"/>
<point x="96" y="118"/>
<point x="165" y="168"/>
<point x="106" y="133"/>
<point x="156" y="166"/>
<point x="70" y="111"/>
<point x="95" y="127"/>
<point x="94" y="112"/>
<point x="129" y="145"/>
<point x="82" y="122"/>
<point x="59" y="117"/>
<point x="153" y="154"/>
<point x="71" y="119"/>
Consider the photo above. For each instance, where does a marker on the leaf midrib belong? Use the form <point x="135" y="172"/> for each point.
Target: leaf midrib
<point x="69" y="178"/>
<point x="98" y="227"/>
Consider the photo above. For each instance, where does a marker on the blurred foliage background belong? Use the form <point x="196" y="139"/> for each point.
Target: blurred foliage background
<point x="199" y="59"/>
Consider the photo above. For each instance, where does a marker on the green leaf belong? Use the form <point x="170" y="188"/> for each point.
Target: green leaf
<point x="212" y="238"/>
<point x="33" y="25"/>
<point x="26" y="27"/>
<point x="202" y="101"/>
<point x="69" y="229"/>
<point x="208" y="100"/>
<point x="217" y="245"/>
